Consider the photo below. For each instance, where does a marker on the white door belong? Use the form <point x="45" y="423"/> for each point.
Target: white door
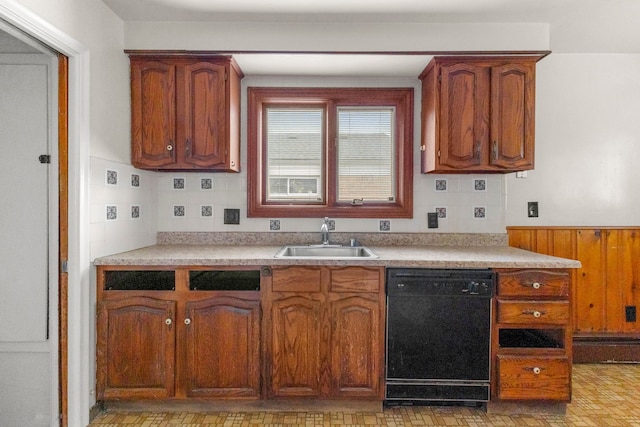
<point x="28" y="277"/>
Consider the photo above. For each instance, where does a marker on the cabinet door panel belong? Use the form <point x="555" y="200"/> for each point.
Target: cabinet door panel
<point x="355" y="347"/>
<point x="533" y="377"/>
<point x="355" y="279"/>
<point x="223" y="348"/>
<point x="533" y="312"/>
<point x="136" y="348"/>
<point x="533" y="283"/>
<point x="512" y="116"/>
<point x="204" y="115"/>
<point x="464" y="115"/>
<point x="153" y="114"/>
<point x="295" y="346"/>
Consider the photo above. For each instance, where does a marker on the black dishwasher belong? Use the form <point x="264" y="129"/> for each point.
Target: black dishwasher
<point x="438" y="336"/>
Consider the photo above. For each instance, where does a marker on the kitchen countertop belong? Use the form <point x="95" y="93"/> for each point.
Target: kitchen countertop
<point x="426" y="256"/>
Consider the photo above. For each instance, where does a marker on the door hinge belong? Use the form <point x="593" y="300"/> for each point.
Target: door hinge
<point x="44" y="158"/>
<point x="64" y="266"/>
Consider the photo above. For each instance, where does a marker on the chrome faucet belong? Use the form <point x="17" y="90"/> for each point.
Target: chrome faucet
<point x="324" y="231"/>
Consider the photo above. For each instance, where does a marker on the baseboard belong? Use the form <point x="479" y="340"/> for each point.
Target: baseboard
<point x="606" y="349"/>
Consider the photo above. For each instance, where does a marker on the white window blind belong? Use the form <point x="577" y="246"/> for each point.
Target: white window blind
<point x="294" y="143"/>
<point x="366" y="154"/>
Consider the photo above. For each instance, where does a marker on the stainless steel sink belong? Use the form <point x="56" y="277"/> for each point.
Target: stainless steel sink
<point x="326" y="252"/>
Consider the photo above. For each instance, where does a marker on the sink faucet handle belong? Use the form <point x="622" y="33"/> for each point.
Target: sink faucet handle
<point x="324" y="231"/>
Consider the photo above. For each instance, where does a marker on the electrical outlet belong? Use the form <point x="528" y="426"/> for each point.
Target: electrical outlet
<point x="630" y="313"/>
<point x="232" y="216"/>
<point x="532" y="209"/>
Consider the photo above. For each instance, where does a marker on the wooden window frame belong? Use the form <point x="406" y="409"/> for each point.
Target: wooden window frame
<point x="400" y="98"/>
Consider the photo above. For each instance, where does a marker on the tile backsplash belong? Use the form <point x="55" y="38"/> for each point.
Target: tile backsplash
<point x="128" y="206"/>
<point x="124" y="209"/>
<point x="464" y="203"/>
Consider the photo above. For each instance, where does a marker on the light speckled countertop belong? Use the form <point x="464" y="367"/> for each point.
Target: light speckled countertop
<point x="450" y="251"/>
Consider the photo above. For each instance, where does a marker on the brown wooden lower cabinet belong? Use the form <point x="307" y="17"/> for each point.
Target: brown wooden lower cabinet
<point x="605" y="291"/>
<point x="325" y="335"/>
<point x="295" y="347"/>
<point x="136" y="348"/>
<point x="531" y="336"/>
<point x="222" y="347"/>
<point x="175" y="342"/>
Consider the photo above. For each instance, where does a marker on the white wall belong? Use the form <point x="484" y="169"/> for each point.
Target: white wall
<point x="587" y="144"/>
<point x="336" y="36"/>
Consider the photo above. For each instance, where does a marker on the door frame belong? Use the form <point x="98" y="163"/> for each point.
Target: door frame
<point x="74" y="318"/>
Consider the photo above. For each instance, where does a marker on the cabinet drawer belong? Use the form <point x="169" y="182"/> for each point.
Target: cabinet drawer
<point x="296" y="279"/>
<point x="544" y="378"/>
<point x="533" y="312"/>
<point x="533" y="283"/>
<point x="355" y="279"/>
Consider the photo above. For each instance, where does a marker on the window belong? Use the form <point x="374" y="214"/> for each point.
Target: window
<point x="330" y="152"/>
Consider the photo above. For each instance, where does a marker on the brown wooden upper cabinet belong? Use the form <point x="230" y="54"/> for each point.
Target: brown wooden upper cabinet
<point x="185" y="112"/>
<point x="478" y="114"/>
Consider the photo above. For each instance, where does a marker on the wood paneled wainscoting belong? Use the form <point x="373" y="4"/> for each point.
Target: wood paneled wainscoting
<point x="605" y="291"/>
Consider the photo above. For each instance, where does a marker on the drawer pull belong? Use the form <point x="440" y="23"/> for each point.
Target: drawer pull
<point x="536" y="285"/>
<point x="536" y="370"/>
<point x="534" y="313"/>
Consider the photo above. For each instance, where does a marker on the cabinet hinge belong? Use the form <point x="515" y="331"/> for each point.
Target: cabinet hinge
<point x="44" y="158"/>
<point x="64" y="266"/>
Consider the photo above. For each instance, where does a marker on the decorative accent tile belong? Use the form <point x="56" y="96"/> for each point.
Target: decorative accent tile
<point x="479" y="212"/>
<point x="135" y="212"/>
<point x="331" y="225"/>
<point x="178" y="183"/>
<point x="441" y="185"/>
<point x="441" y="211"/>
<point x="385" y="225"/>
<point x="274" y="225"/>
<point x="112" y="177"/>
<point x="135" y="180"/>
<point x="479" y="185"/>
<point x="206" y="183"/>
<point x="206" y="210"/>
<point x="112" y="212"/>
<point x="178" y="211"/>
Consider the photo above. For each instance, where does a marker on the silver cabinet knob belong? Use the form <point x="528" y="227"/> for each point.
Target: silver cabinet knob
<point x="168" y="322"/>
<point x="169" y="147"/>
<point x="536" y="285"/>
<point x="187" y="321"/>
<point x="536" y="370"/>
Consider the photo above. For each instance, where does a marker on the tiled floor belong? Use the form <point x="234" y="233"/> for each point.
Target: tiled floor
<point x="603" y="395"/>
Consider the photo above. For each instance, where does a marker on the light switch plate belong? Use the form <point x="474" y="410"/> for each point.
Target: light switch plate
<point x="432" y="219"/>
